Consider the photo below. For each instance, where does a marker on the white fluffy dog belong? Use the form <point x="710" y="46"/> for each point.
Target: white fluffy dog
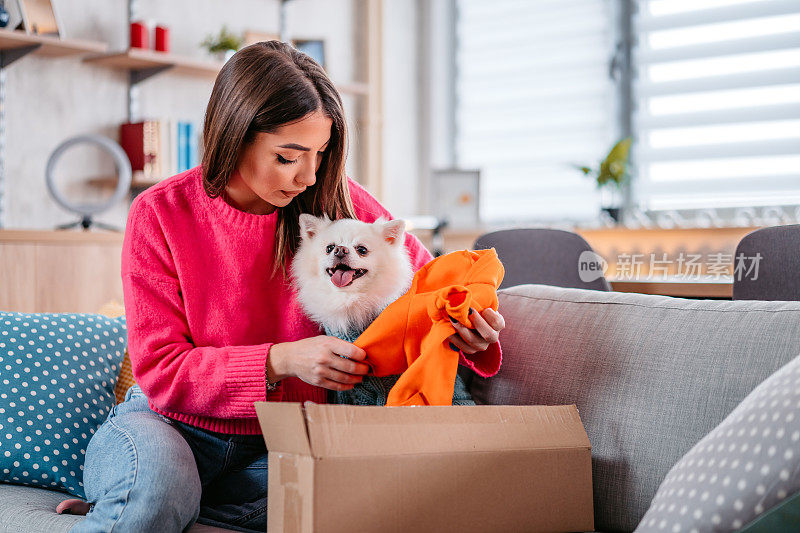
<point x="347" y="271"/>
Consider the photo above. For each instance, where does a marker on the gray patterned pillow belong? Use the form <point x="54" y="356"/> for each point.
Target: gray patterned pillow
<point x="745" y="474"/>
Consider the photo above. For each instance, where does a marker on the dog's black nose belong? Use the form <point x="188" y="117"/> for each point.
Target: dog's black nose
<point x="340" y="251"/>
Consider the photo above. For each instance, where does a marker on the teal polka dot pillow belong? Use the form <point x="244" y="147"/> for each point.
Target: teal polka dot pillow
<point x="57" y="378"/>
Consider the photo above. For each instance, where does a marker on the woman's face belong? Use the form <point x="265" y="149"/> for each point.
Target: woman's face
<point x="276" y="167"/>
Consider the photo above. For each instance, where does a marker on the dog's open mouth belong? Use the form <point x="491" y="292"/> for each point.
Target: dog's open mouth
<point x="342" y="275"/>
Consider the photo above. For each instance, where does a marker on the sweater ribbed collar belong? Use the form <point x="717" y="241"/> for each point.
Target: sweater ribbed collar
<point x="234" y="215"/>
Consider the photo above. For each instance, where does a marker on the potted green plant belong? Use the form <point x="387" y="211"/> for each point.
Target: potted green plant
<point x="611" y="176"/>
<point x="224" y="45"/>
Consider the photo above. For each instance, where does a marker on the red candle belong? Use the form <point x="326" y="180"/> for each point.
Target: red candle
<point x="162" y="38"/>
<point x="139" y="35"/>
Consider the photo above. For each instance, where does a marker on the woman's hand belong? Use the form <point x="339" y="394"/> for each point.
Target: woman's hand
<point x="317" y="361"/>
<point x="488" y="325"/>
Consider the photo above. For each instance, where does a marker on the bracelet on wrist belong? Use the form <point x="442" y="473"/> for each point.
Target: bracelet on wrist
<point x="270" y="385"/>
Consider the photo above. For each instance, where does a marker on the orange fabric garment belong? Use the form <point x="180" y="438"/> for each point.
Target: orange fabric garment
<point x="410" y="336"/>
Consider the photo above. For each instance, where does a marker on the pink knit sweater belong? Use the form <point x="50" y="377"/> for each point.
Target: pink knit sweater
<point x="202" y="310"/>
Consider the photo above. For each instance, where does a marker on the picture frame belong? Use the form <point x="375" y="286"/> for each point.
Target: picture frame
<point x="39" y="18"/>
<point x="457" y="195"/>
<point x="15" y="16"/>
<point x="314" y="48"/>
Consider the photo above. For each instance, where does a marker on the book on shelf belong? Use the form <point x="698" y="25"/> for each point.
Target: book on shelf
<point x="161" y="148"/>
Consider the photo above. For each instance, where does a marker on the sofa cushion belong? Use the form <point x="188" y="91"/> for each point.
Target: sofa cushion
<point x="746" y="468"/>
<point x="650" y="375"/>
<point x="125" y="381"/>
<point x="58" y="377"/>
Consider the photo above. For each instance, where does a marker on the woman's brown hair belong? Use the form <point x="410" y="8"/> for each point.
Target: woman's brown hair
<point x="261" y="88"/>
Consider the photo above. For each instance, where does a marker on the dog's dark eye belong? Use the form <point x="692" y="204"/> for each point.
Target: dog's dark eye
<point x="361" y="250"/>
<point x="329" y="248"/>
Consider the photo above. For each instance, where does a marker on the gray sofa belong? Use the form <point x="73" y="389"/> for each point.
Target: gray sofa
<point x="650" y="375"/>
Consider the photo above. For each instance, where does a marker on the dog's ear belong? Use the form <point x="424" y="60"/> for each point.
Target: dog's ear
<point x="309" y="225"/>
<point x="394" y="231"/>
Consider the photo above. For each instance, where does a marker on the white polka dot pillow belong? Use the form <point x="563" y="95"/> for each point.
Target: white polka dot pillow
<point x="57" y="377"/>
<point x="745" y="474"/>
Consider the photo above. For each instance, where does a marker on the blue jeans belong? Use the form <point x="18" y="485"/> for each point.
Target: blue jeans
<point x="146" y="472"/>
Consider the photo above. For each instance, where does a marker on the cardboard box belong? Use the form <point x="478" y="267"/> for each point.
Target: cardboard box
<point x="340" y="468"/>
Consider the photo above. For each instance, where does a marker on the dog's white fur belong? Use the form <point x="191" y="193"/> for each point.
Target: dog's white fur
<point x="354" y="307"/>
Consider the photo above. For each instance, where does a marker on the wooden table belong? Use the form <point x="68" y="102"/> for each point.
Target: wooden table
<point x="705" y="288"/>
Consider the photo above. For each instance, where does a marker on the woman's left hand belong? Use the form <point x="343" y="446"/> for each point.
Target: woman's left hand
<point x="488" y="325"/>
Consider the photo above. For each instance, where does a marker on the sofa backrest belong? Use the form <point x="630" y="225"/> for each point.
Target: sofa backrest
<point x="650" y="375"/>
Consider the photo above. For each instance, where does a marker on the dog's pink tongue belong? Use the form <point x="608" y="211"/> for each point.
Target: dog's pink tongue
<point x="342" y="278"/>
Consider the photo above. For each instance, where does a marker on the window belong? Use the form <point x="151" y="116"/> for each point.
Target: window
<point x="533" y="97"/>
<point x="717" y="115"/>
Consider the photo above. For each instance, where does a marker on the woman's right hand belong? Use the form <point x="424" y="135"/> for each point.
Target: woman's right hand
<point x="317" y="361"/>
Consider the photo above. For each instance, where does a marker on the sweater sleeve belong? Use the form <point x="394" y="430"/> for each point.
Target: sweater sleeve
<point x="368" y="209"/>
<point x="175" y="375"/>
<point x="486" y="363"/>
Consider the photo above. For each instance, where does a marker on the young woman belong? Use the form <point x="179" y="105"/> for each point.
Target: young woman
<point x="212" y="324"/>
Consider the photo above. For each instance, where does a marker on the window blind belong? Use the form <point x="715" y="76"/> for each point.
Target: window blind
<point x="717" y="103"/>
<point x="533" y="97"/>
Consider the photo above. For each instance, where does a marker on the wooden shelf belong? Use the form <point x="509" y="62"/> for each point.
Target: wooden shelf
<point x="110" y="182"/>
<point x="139" y="180"/>
<point x="134" y="59"/>
<point x="58" y="237"/>
<point x="49" y="45"/>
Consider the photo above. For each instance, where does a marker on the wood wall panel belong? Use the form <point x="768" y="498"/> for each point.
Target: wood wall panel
<point x="59" y="271"/>
<point x="17" y="277"/>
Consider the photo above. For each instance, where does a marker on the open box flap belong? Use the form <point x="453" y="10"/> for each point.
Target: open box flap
<point x="348" y="431"/>
<point x="284" y="427"/>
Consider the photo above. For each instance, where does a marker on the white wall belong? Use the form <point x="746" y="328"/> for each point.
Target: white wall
<point x="419" y="96"/>
<point x="400" y="107"/>
<point x="49" y="100"/>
